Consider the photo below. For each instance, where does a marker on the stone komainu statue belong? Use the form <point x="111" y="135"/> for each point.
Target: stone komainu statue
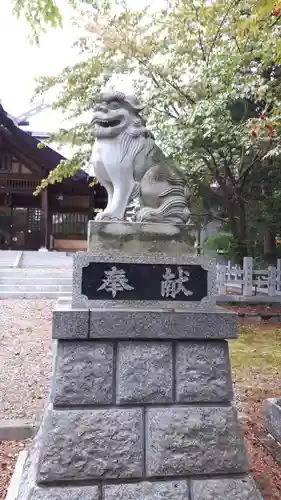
<point x="127" y="162"/>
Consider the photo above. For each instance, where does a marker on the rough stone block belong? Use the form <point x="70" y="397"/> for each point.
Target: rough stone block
<point x="66" y="493"/>
<point x="193" y="440"/>
<point x="25" y="486"/>
<point x="161" y="324"/>
<point x="272" y="411"/>
<point x="225" y="489"/>
<point x="174" y="490"/>
<point x="84" y="373"/>
<point x="144" y="372"/>
<point x="91" y="444"/>
<point x="203" y="372"/>
<point x="70" y="323"/>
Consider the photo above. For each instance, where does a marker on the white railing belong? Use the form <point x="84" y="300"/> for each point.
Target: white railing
<point x="247" y="281"/>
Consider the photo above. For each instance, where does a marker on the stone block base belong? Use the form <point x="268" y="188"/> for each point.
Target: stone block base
<point x="233" y="487"/>
<point x="207" y="487"/>
<point x="98" y="373"/>
<point x="140" y="409"/>
<point x="130" y="443"/>
<point x="77" y="473"/>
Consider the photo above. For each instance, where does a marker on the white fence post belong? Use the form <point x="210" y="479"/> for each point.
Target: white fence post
<point x="248" y="276"/>
<point x="272" y="281"/>
<point x="278" y="275"/>
<point x="222" y="279"/>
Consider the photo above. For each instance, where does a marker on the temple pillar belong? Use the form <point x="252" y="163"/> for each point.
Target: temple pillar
<point x="45" y="219"/>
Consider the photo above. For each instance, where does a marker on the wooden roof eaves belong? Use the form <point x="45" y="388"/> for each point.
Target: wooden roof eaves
<point x="48" y="158"/>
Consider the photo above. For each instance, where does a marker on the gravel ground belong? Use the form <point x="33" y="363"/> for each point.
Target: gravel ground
<point x="25" y="357"/>
<point x="9" y="451"/>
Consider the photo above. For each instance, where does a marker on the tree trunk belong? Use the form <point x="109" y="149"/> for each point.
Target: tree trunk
<point x="234" y="206"/>
<point x="240" y="250"/>
<point x="239" y="231"/>
<point x="269" y="247"/>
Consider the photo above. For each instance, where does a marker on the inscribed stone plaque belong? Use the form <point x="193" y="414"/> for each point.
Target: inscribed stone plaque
<point x="130" y="281"/>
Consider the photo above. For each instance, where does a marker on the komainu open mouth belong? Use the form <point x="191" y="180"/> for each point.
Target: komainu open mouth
<point x="107" y="123"/>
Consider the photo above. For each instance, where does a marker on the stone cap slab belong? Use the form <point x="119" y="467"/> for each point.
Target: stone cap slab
<point x="132" y="323"/>
<point x="151" y="324"/>
<point x="69" y="322"/>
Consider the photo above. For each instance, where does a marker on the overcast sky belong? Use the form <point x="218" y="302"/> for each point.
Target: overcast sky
<point x="22" y="62"/>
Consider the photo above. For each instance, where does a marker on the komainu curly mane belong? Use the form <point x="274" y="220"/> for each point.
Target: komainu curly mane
<point x="130" y="165"/>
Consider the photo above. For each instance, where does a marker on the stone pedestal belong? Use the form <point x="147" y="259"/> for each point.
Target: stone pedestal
<point x="140" y="407"/>
<point x="272" y="413"/>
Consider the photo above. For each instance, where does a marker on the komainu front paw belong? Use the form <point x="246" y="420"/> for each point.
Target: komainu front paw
<point x="105" y="216"/>
<point x="100" y="216"/>
<point x="148" y="215"/>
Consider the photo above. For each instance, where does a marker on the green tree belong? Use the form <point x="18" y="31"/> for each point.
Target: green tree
<point x="39" y="14"/>
<point x="208" y="72"/>
<point x="264" y="208"/>
<point x="220" y="243"/>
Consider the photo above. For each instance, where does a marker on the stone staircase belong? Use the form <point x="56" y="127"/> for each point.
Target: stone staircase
<point x="41" y="260"/>
<point x="9" y="258"/>
<point x="35" y="283"/>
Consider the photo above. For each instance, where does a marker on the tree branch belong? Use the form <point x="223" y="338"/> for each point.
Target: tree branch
<point x="227" y="169"/>
<point x="174" y="109"/>
<point x="200" y="35"/>
<point x="275" y="22"/>
<point x="237" y="45"/>
<point x="242" y="158"/>
<point x="232" y="5"/>
<point x="215" y="174"/>
<point x="179" y="90"/>
<point x="215" y="169"/>
<point x="243" y="177"/>
<point x="164" y="112"/>
<point x="172" y="84"/>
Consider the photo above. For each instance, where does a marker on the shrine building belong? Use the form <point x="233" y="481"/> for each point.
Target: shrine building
<point x="57" y="218"/>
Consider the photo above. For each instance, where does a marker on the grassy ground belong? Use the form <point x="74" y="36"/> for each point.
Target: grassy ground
<point x="256" y="362"/>
<point x="256" y="368"/>
<point x="258" y="349"/>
